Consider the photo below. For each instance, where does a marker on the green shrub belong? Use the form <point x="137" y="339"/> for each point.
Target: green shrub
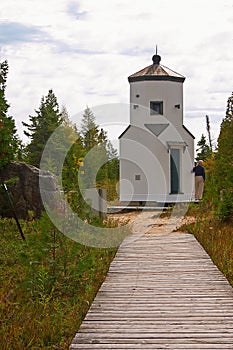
<point x="225" y="206"/>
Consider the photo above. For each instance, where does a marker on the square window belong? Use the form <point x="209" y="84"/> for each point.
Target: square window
<point x="137" y="177"/>
<point x="156" y="107"/>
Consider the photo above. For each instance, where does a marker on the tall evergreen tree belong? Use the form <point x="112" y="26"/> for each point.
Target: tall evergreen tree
<point x="203" y="150"/>
<point x="113" y="163"/>
<point x="223" y="167"/>
<point x="89" y="130"/>
<point x="41" y="126"/>
<point x="92" y="139"/>
<point x="71" y="164"/>
<point x="101" y="165"/>
<point x="8" y="137"/>
<point x="208" y="131"/>
<point x="229" y="111"/>
<point x="71" y="183"/>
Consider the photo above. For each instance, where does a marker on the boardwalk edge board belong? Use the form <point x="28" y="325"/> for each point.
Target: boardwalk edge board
<point x="162" y="291"/>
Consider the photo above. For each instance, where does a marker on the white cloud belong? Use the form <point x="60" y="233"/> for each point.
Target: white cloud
<point x="85" y="50"/>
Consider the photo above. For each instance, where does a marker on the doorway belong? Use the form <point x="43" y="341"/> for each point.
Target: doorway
<point x="175" y="170"/>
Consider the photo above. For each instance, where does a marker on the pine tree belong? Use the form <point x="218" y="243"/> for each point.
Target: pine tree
<point x="223" y="167"/>
<point x="75" y="152"/>
<point x="101" y="165"/>
<point x="8" y="138"/>
<point x="113" y="163"/>
<point x="229" y="111"/>
<point x="208" y="131"/>
<point x="89" y="130"/>
<point x="71" y="182"/>
<point x="41" y="126"/>
<point x="92" y="139"/>
<point x="203" y="150"/>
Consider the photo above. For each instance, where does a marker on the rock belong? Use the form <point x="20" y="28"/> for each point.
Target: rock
<point x="24" y="183"/>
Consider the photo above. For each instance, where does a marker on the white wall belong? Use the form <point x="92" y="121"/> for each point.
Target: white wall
<point x="170" y="92"/>
<point x="142" y="153"/>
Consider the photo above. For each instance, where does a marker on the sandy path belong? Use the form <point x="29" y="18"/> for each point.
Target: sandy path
<point x="150" y="222"/>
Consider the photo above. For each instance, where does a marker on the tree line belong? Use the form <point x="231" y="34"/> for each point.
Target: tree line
<point x="219" y="167"/>
<point x="42" y="124"/>
<point x="90" y="137"/>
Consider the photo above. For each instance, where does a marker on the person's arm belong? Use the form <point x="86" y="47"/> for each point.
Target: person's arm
<point x="203" y="174"/>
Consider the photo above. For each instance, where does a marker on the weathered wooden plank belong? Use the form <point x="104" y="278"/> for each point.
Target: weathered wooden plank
<point x="166" y="339"/>
<point x="151" y="346"/>
<point x="161" y="292"/>
<point x="170" y="320"/>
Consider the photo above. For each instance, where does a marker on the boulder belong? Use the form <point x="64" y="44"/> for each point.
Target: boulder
<point x="25" y="183"/>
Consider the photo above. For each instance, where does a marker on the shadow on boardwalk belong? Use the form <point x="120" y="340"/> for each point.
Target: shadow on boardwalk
<point x="162" y="292"/>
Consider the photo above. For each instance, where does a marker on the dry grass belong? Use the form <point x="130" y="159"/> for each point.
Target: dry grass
<point x="217" y="239"/>
<point x="47" y="285"/>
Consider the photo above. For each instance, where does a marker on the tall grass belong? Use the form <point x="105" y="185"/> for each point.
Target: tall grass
<point x="215" y="236"/>
<point x="47" y="285"/>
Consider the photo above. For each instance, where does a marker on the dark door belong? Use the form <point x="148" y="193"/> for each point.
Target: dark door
<point x="175" y="170"/>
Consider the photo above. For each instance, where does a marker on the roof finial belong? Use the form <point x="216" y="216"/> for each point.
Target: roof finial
<point x="156" y="58"/>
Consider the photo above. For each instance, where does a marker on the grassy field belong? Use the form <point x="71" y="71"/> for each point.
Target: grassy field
<point x="47" y="285"/>
<point x="48" y="282"/>
<point x="215" y="236"/>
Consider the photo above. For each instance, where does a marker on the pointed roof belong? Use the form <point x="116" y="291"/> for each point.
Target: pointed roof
<point x="156" y="71"/>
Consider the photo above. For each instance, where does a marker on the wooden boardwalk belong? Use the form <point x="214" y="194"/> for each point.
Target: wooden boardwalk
<point x="162" y="292"/>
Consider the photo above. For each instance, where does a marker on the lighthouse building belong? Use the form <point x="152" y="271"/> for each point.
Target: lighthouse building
<point x="156" y="149"/>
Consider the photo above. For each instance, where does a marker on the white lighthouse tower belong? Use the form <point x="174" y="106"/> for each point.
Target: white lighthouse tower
<point x="156" y="149"/>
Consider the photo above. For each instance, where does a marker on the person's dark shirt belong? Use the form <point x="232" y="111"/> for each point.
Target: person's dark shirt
<point x="199" y="171"/>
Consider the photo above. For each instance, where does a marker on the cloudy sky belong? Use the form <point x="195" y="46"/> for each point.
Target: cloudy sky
<point x="85" y="50"/>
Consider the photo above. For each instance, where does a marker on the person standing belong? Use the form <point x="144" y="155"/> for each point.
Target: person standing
<point x="199" y="172"/>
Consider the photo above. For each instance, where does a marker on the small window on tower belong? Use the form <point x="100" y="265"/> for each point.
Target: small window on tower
<point x="156" y="107"/>
<point x="137" y="177"/>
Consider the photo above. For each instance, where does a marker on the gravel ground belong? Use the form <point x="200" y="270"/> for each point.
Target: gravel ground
<point x="151" y="222"/>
